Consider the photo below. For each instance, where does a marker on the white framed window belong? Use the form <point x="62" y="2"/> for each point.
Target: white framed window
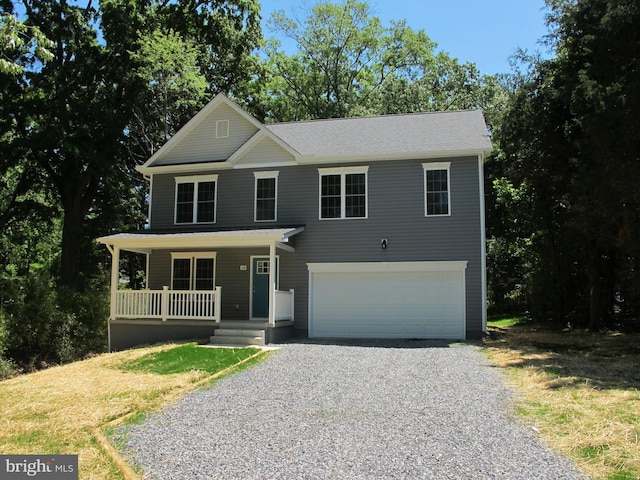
<point x="196" y="199"/>
<point x="193" y="270"/>
<point x="437" y="193"/>
<point x="343" y="192"/>
<point x="266" y="196"/>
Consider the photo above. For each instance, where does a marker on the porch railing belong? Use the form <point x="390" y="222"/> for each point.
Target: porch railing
<point x="168" y="304"/>
<point x="283" y="306"/>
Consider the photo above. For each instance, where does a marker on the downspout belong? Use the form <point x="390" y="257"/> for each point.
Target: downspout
<point x="483" y="241"/>
<point x="149" y="178"/>
<point x="115" y="278"/>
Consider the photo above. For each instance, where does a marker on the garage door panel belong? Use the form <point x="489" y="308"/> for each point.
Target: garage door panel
<point x="385" y="304"/>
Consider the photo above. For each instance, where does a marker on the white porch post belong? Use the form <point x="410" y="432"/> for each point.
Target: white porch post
<point x="146" y="272"/>
<point x="115" y="279"/>
<point x="218" y="305"/>
<point x="165" y="303"/>
<point x="272" y="283"/>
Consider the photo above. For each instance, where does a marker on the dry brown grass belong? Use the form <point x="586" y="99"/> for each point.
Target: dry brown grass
<point x="580" y="391"/>
<point x="56" y="410"/>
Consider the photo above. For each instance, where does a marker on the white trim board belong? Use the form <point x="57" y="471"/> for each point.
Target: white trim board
<point x="370" y="267"/>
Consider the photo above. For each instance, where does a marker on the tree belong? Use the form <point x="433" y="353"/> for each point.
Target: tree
<point x="175" y="89"/>
<point x="68" y="116"/>
<point x="344" y="56"/>
<point x="72" y="115"/>
<point x="570" y="139"/>
<point x="599" y="43"/>
<point x="349" y="64"/>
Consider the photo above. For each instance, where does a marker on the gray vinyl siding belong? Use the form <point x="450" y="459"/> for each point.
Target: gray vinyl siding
<point x="201" y="144"/>
<point x="266" y="152"/>
<point x="396" y="212"/>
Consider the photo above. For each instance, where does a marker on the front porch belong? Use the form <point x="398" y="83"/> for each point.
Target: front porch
<point x="184" y="302"/>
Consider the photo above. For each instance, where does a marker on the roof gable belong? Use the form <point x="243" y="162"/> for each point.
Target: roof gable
<point x="213" y="135"/>
<point x="264" y="149"/>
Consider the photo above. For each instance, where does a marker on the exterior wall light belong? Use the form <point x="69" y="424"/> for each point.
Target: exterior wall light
<point x="383" y="243"/>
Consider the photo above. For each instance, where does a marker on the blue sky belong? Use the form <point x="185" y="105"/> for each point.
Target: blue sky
<point x="485" y="32"/>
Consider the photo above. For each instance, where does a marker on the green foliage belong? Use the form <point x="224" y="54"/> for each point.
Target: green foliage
<point x="505" y="321"/>
<point x="341" y="60"/>
<point x="568" y="147"/>
<point x="189" y="357"/>
<point x="349" y="64"/>
<point x="77" y="113"/>
<point x="115" y="81"/>
<point x="46" y="324"/>
<point x="20" y="42"/>
<point x="6" y="366"/>
<point x="176" y="88"/>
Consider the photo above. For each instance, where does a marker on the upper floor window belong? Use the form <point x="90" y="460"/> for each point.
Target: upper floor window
<point x="343" y="192"/>
<point x="196" y="199"/>
<point x="266" y="198"/>
<point x="436" y="188"/>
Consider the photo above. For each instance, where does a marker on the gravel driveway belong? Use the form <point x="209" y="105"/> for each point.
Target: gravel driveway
<point x="348" y="411"/>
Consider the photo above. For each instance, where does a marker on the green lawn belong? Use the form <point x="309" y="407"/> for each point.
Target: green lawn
<point x="188" y="358"/>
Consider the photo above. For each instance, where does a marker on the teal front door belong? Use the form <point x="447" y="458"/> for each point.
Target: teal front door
<point x="260" y="268"/>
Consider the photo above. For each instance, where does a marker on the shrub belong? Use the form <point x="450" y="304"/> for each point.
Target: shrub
<point x="6" y="366"/>
<point x="50" y="325"/>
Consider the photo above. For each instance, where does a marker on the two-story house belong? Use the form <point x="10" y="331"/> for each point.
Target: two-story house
<point x="369" y="227"/>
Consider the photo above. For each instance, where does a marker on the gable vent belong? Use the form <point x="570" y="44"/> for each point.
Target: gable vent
<point x="222" y="128"/>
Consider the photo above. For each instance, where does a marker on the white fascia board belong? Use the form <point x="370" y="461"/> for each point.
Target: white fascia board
<point x="145" y="251"/>
<point x="184" y="168"/>
<point x="195" y="121"/>
<point x="378" y="267"/>
<point x="383" y="157"/>
<point x="146" y="242"/>
<point x="292" y="232"/>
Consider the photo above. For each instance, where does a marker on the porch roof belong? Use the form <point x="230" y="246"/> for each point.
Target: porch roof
<point x="147" y="241"/>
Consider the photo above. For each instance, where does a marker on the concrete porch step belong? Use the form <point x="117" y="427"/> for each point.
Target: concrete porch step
<point x="236" y="336"/>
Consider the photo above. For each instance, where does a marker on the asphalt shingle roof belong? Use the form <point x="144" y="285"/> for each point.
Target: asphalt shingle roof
<point x="463" y="130"/>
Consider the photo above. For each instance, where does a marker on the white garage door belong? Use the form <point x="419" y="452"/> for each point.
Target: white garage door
<point x="387" y="300"/>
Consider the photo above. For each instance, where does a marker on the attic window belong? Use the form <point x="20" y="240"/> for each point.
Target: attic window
<point x="222" y="128"/>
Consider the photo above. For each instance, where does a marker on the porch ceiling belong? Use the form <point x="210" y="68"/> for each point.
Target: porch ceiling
<point x="145" y="242"/>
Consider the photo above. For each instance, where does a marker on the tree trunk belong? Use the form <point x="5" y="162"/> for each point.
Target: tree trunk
<point x="601" y="292"/>
<point x="76" y="201"/>
<point x="71" y="240"/>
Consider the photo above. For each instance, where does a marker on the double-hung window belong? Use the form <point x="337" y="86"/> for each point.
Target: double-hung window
<point x="343" y="192"/>
<point x="196" y="199"/>
<point x="193" y="271"/>
<point x="266" y="197"/>
<point x="436" y="189"/>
